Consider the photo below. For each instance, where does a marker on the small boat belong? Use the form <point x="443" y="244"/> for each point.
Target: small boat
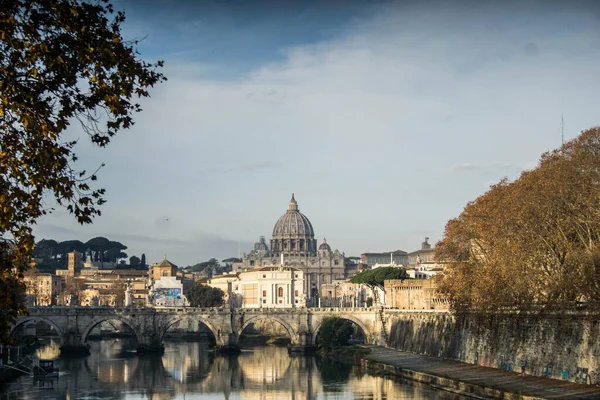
<point x="45" y="369"/>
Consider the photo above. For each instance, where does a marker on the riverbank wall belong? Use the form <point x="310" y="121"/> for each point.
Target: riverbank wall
<point x="559" y="345"/>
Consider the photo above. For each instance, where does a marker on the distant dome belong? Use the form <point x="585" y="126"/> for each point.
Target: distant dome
<point x="324" y="246"/>
<point x="293" y="223"/>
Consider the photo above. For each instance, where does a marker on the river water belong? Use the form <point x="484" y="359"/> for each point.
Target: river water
<point x="189" y="370"/>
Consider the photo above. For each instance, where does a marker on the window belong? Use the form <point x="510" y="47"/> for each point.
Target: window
<point x="165" y="273"/>
<point x="264" y="293"/>
<point x="264" y="276"/>
<point x="264" y="301"/>
<point x="337" y="262"/>
<point x="280" y="293"/>
<point x="251" y="263"/>
<point x="296" y="293"/>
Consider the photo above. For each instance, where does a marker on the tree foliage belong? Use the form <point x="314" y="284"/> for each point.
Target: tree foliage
<point x="205" y="296"/>
<point x="134" y="261"/>
<point x="52" y="255"/>
<point x="534" y="241"/>
<point x="61" y="62"/>
<point x="374" y="278"/>
<point x="334" y="332"/>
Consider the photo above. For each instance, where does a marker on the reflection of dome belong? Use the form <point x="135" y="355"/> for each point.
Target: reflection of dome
<point x="324" y="246"/>
<point x="293" y="233"/>
<point x="293" y="222"/>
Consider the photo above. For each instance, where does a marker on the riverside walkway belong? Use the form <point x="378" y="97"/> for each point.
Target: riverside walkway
<point x="473" y="380"/>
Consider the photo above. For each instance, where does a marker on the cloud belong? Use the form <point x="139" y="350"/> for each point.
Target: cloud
<point x="491" y="167"/>
<point x="249" y="167"/>
<point x="377" y="111"/>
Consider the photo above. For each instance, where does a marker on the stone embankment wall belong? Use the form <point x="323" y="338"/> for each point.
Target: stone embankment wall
<point x="561" y="346"/>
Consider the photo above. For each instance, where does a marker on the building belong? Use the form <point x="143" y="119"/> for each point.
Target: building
<point x="272" y="286"/>
<point x="344" y="294"/>
<point x="167" y="292"/>
<point x="398" y="257"/>
<point x="425" y="255"/>
<point x="75" y="263"/>
<point x="227" y="283"/>
<point x="42" y="289"/>
<point x="422" y="263"/>
<point x="293" y="244"/>
<point x="162" y="269"/>
<point x="414" y="294"/>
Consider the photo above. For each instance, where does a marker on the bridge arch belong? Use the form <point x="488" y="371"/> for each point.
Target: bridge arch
<point x="290" y="330"/>
<point x="205" y="321"/>
<point x="98" y="320"/>
<point x="23" y="320"/>
<point x="365" y="331"/>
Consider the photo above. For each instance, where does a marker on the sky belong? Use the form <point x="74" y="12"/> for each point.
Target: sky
<point x="385" y="118"/>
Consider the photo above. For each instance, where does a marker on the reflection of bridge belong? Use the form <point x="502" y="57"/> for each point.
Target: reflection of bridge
<point x="74" y="324"/>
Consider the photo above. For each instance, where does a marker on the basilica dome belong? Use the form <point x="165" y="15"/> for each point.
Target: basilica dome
<point x="293" y="222"/>
<point x="293" y="233"/>
<point x="324" y="246"/>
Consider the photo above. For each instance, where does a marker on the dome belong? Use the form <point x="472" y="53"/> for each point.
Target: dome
<point x="293" y="223"/>
<point x="324" y="246"/>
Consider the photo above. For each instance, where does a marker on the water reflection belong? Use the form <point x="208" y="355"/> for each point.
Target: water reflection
<point x="191" y="371"/>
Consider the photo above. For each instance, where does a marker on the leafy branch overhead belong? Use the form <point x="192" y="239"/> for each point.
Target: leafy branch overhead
<point x="64" y="64"/>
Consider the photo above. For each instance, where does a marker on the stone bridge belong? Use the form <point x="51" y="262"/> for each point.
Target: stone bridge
<point x="74" y="324"/>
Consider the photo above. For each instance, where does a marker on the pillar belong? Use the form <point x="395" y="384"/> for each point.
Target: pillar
<point x="150" y="343"/>
<point x="302" y="344"/>
<point x="72" y="345"/>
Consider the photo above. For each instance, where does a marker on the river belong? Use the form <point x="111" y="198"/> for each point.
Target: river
<point x="188" y="370"/>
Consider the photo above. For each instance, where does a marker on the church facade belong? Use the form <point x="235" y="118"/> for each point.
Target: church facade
<point x="293" y="244"/>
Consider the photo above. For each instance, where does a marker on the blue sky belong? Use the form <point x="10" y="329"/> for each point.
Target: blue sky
<point x="383" y="117"/>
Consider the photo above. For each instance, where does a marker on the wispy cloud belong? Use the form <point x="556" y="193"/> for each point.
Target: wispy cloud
<point x="248" y="167"/>
<point x="387" y="104"/>
<point x="491" y="167"/>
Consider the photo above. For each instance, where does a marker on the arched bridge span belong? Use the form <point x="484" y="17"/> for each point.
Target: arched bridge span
<point x="149" y="325"/>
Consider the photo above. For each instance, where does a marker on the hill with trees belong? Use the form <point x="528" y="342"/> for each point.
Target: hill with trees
<point x="51" y="255"/>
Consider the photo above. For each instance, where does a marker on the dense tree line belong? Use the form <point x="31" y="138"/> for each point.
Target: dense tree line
<point x="205" y="296"/>
<point x="52" y="255"/>
<point x="533" y="242"/>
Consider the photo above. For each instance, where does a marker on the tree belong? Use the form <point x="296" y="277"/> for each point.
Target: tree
<point x="212" y="263"/>
<point x="334" y="332"/>
<point x="61" y="61"/>
<point x="143" y="261"/>
<point x="530" y="242"/>
<point x="134" y="261"/>
<point x="205" y="296"/>
<point x="374" y="278"/>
